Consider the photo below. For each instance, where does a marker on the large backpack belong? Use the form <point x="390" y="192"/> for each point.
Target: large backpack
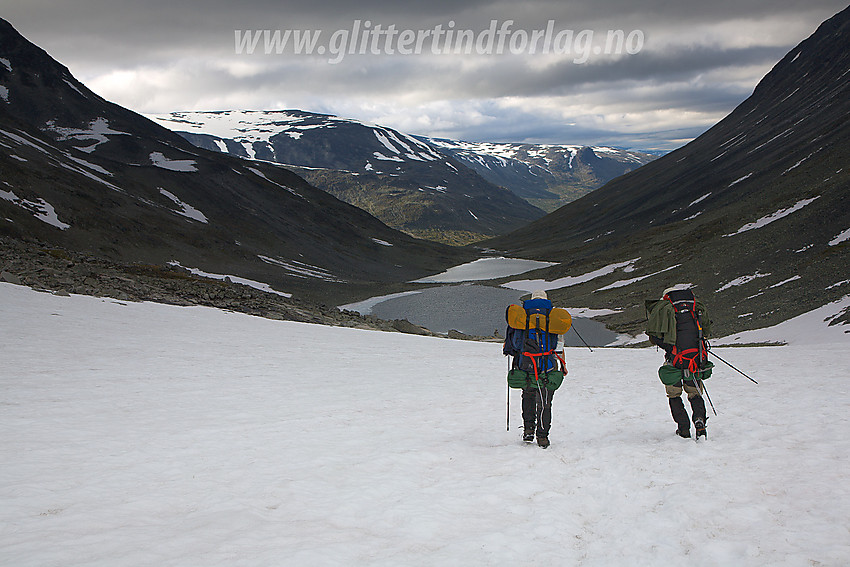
<point x="531" y="342"/>
<point x="690" y="352"/>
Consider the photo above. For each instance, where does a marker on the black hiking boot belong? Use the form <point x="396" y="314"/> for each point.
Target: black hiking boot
<point x="528" y="436"/>
<point x="543" y="441"/>
<point x="700" y="428"/>
<point x="686" y="433"/>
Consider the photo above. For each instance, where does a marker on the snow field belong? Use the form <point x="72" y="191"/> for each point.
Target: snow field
<point x="142" y="434"/>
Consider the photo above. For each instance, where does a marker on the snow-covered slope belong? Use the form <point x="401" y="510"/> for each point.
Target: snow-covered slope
<point x="142" y="434"/>
<point x="254" y="131"/>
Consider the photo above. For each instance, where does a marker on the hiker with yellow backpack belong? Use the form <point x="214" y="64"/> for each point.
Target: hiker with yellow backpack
<point x="533" y="339"/>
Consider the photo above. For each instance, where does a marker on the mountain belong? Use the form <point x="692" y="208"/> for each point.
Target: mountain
<point x="545" y="175"/>
<point x="86" y="175"/>
<point x="755" y="212"/>
<point x="401" y="180"/>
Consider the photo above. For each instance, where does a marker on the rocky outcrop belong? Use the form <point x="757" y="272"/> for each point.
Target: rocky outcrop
<point x="64" y="272"/>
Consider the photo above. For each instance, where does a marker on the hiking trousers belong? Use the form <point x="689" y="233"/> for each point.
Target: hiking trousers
<point x="537" y="410"/>
<point x="675" y="390"/>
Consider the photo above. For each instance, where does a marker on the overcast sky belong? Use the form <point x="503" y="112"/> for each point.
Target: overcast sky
<point x="479" y="70"/>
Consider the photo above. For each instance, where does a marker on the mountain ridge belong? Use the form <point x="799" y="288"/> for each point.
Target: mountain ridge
<point x="413" y="183"/>
<point x="395" y="177"/>
<point x="546" y="175"/>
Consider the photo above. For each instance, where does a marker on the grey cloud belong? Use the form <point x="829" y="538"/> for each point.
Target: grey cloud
<point x="182" y="56"/>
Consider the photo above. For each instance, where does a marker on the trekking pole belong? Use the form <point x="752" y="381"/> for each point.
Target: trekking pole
<point x="732" y="367"/>
<point x="508" y="411"/>
<point x="702" y="387"/>
<point x="573" y="327"/>
<point x="508" y="405"/>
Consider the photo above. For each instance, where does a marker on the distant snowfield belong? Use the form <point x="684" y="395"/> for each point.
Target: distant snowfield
<point x="143" y="434"/>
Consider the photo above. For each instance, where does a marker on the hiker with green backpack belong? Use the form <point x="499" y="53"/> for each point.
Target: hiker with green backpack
<point x="533" y="339"/>
<point x="679" y="324"/>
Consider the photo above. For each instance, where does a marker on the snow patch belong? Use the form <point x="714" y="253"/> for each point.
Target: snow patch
<point x="89" y="165"/>
<point x="532" y="285"/>
<point x="798" y="163"/>
<point x="703" y="198"/>
<point x="766" y="220"/>
<point x="381" y="242"/>
<point x="300" y="269"/>
<point x="623" y="283"/>
<point x="6" y="63"/>
<point x="98" y="130"/>
<point x="842" y="237"/>
<point x="186" y="210"/>
<point x="249" y="149"/>
<point x="91" y="176"/>
<point x="74" y="87"/>
<point x="787" y="132"/>
<point x="386" y="142"/>
<point x="40" y="209"/>
<point x="747" y="176"/>
<point x="182" y="165"/>
<point x="783" y="282"/>
<point x="27" y="140"/>
<point x="4" y="93"/>
<point x="259" y="173"/>
<point x="235" y="279"/>
<point x="379" y="155"/>
<point x="741" y="281"/>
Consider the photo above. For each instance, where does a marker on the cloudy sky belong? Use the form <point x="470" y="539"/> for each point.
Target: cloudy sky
<point x="646" y="75"/>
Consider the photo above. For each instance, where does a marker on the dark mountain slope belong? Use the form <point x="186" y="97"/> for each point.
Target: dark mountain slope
<point x="81" y="173"/>
<point x="754" y="212"/>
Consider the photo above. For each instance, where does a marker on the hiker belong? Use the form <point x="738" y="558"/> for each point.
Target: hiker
<point x="533" y="339"/>
<point x="679" y="324"/>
